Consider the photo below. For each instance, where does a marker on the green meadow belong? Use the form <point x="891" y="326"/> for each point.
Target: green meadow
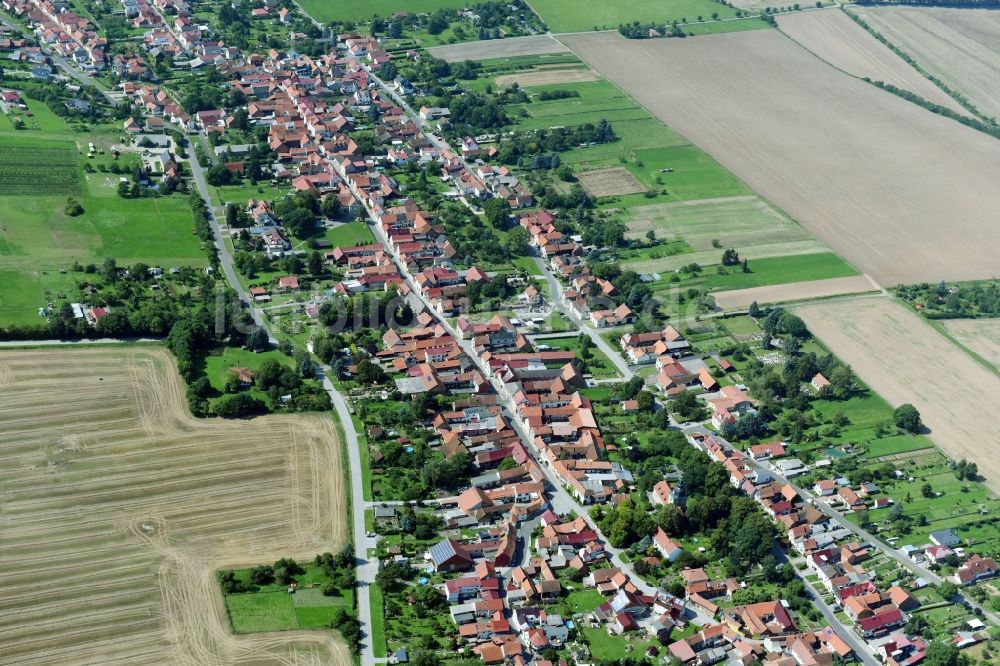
<point x="43" y="165"/>
<point x="566" y="15"/>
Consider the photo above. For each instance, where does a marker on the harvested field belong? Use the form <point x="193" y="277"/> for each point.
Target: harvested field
<point x="119" y="507"/>
<point x="498" y="48"/>
<point x="869" y="173"/>
<point x="980" y="335"/>
<point x="837" y="39"/>
<point x="610" y="182"/>
<point x="545" y="77"/>
<point x="796" y="291"/>
<point x="959" y="46"/>
<point x="739" y="222"/>
<point x="903" y="359"/>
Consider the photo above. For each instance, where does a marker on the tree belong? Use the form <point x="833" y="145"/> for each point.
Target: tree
<point x="730" y="257"/>
<point x="258" y="340"/>
<point x="231" y="214"/>
<point x="947" y="590"/>
<point x="754" y="310"/>
<point x="907" y="418"/>
<point x="942" y="654"/>
<point x="73" y="207"/>
<point x="687" y="406"/>
<point x="497" y="211"/>
<point x="519" y="241"/>
<point x="123" y="189"/>
<point x="330" y="207"/>
<point x="316" y="266"/>
<point x="114" y="324"/>
<point x="926" y="490"/>
<point x="238" y="406"/>
<point x="269" y="373"/>
<point x="370" y="373"/>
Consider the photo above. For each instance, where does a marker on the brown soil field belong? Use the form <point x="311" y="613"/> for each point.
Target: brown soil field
<point x="610" y="182"/>
<point x="903" y="359"/>
<point x="119" y="507"/>
<point x="836" y="38"/>
<point x="795" y="291"/>
<point x="901" y="193"/>
<point x="961" y="47"/>
<point x="498" y="48"/>
<point x="545" y="77"/>
<point x="980" y="335"/>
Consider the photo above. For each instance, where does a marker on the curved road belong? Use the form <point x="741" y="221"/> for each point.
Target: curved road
<point x="366" y="569"/>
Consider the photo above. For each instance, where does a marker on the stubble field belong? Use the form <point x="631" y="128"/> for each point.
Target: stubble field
<point x="794" y="291"/>
<point x="119" y="507"/>
<point x="959" y="46"/>
<point x="901" y="193"/>
<point x="498" y="48"/>
<point x="836" y="38"/>
<point x="982" y="336"/>
<point x="903" y="359"/>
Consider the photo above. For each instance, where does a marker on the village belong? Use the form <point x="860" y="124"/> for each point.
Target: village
<point x="558" y="514"/>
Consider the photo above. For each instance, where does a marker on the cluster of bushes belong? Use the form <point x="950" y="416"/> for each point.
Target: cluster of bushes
<point x="738" y="530"/>
<point x="554" y="140"/>
<point x="952" y="301"/>
<point x="549" y="95"/>
<point x="637" y="30"/>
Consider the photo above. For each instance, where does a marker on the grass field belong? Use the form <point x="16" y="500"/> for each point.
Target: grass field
<point x="119" y="507"/>
<point x="272" y="608"/>
<point x="763" y="272"/>
<point x="378" y="620"/>
<point x="598" y="363"/>
<point x="565" y="15"/>
<point x="325" y="11"/>
<point x="352" y="233"/>
<point x="38" y="170"/>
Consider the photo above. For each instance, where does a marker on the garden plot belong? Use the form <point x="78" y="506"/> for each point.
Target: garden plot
<point x="610" y="182"/>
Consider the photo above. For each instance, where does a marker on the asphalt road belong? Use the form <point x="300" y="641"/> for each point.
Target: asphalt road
<point x="366" y="569"/>
<point x="555" y="288"/>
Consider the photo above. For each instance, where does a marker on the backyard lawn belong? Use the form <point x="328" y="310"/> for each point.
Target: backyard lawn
<point x="349" y="234"/>
<point x="597" y="362"/>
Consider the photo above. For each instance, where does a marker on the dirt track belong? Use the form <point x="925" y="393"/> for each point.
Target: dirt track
<point x="959" y="46"/>
<point x="119" y="507"/>
<point x="498" y="48"/>
<point x="903" y="359"/>
<point x="836" y="38"/>
<point x="795" y="291"/>
<point x="901" y="193"/>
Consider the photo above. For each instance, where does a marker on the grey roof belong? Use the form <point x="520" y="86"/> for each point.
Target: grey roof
<point x="945" y="537"/>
